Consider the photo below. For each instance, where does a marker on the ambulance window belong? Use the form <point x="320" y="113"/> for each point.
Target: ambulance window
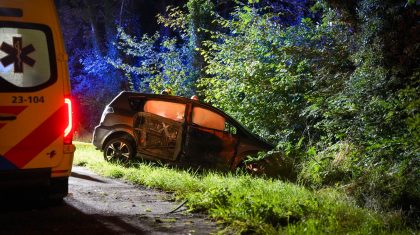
<point x="27" y="58"/>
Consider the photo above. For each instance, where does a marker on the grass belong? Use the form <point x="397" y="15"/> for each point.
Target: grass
<point x="246" y="204"/>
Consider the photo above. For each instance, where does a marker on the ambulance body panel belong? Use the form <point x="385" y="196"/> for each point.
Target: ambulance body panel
<point x="35" y="105"/>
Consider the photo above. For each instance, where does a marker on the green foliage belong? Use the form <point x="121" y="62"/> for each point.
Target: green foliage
<point x="168" y="62"/>
<point x="335" y="165"/>
<point x="340" y="94"/>
<point x="175" y="19"/>
<point x="384" y="93"/>
<point x="252" y="205"/>
<point x="252" y="79"/>
<point x="163" y="63"/>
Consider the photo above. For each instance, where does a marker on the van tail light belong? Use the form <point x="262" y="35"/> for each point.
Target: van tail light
<point x="68" y="132"/>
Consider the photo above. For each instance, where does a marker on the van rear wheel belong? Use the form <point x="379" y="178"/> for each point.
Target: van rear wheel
<point x="59" y="188"/>
<point x="119" y="149"/>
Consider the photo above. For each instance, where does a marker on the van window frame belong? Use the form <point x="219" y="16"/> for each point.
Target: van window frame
<point x="6" y="86"/>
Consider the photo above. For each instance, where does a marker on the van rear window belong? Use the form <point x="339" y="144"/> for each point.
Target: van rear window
<point x="27" y="58"/>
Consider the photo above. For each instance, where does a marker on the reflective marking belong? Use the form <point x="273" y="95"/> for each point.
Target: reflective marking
<point x="15" y="110"/>
<point x="10" y="110"/>
<point x="38" y="140"/>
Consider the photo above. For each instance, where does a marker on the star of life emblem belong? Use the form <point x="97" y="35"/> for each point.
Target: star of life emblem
<point x="24" y="57"/>
<point x="17" y="55"/>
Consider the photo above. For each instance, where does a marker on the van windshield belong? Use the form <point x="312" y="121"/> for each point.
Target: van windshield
<point x="27" y="58"/>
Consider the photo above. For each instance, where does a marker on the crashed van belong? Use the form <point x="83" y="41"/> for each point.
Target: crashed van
<point x="173" y="129"/>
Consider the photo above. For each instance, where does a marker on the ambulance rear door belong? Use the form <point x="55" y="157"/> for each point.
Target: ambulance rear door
<point x="32" y="100"/>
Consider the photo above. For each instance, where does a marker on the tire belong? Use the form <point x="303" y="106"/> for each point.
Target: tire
<point x="119" y="149"/>
<point x="59" y="188"/>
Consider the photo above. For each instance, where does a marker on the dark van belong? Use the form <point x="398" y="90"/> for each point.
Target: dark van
<point x="175" y="130"/>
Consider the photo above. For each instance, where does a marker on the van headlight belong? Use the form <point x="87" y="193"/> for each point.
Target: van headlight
<point x="107" y="110"/>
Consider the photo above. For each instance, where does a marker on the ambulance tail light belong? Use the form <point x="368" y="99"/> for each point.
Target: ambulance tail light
<point x="68" y="132"/>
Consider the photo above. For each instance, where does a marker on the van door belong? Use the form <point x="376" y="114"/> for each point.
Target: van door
<point x="32" y="109"/>
<point x="208" y="143"/>
<point x="158" y="129"/>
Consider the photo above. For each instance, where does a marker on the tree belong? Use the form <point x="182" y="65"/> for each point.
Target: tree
<point x="339" y="93"/>
<point x="89" y="42"/>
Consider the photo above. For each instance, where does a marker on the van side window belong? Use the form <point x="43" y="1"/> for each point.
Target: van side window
<point x="209" y="119"/>
<point x="171" y="110"/>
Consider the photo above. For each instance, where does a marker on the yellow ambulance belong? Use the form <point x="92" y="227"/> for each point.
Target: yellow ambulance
<point x="36" y="126"/>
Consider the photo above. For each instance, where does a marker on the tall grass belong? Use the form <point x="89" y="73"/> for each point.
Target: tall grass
<point x="246" y="204"/>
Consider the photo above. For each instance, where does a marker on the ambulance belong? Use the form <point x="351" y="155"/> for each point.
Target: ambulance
<point x="36" y="124"/>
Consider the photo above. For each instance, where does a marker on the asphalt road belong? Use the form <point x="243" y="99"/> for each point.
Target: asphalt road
<point x="98" y="205"/>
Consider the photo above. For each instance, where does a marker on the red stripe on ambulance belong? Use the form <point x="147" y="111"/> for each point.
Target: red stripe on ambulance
<point x="10" y="110"/>
<point x="43" y="136"/>
<point x="15" y="110"/>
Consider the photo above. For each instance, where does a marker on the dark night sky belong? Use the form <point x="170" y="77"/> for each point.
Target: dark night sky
<point x="144" y="10"/>
<point x="147" y="11"/>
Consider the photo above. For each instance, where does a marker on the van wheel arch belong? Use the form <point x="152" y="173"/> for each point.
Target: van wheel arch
<point x="119" y="146"/>
<point x="119" y="134"/>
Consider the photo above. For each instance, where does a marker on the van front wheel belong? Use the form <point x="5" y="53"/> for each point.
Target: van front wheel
<point x="118" y="149"/>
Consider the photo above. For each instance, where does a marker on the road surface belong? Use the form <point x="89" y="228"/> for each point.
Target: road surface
<point x="99" y="205"/>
